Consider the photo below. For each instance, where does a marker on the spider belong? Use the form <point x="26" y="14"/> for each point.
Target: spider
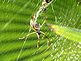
<point x="36" y="26"/>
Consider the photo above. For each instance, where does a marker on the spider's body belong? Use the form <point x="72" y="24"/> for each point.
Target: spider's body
<point x="36" y="28"/>
<point x="34" y="24"/>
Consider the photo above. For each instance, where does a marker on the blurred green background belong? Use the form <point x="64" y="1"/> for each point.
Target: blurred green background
<point x="15" y="16"/>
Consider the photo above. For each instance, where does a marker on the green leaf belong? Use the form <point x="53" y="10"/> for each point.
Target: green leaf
<point x="15" y="16"/>
<point x="67" y="32"/>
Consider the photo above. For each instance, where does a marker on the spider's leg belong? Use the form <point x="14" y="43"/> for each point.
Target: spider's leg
<point x="22" y="38"/>
<point x="27" y="35"/>
<point x="43" y="34"/>
<point x="43" y="23"/>
<point x="38" y="43"/>
<point x="30" y="34"/>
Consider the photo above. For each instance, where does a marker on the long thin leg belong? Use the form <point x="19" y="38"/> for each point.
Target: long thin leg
<point x="27" y="35"/>
<point x="43" y="23"/>
<point x="46" y="37"/>
<point x="38" y="43"/>
<point x="43" y="34"/>
<point x="38" y="35"/>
